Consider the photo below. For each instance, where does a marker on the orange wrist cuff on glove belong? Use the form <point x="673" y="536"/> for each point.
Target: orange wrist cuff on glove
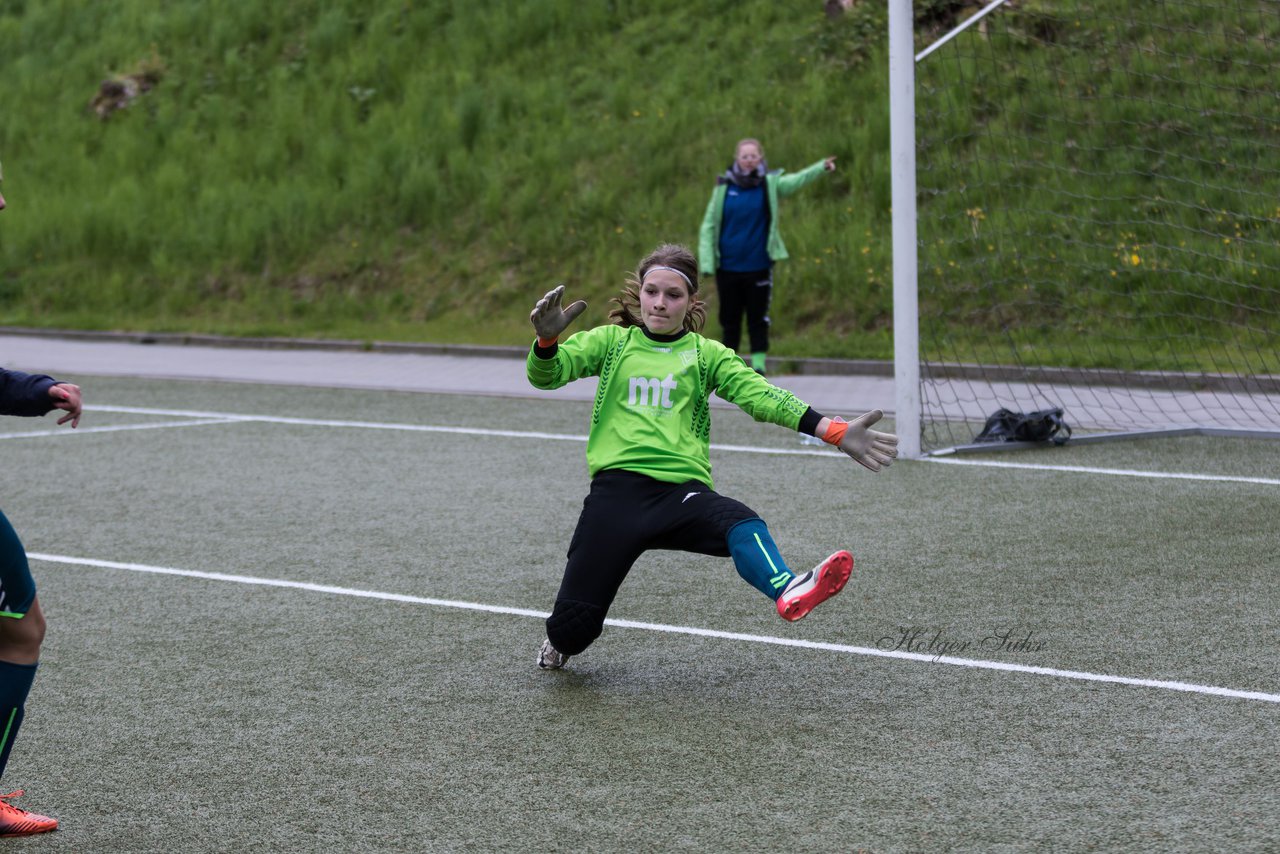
<point x="835" y="431"/>
<point x="547" y="343"/>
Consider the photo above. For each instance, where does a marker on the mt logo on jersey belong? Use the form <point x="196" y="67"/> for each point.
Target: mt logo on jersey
<point x="651" y="391"/>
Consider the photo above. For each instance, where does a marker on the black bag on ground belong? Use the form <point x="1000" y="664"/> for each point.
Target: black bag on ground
<point x="1006" y="425"/>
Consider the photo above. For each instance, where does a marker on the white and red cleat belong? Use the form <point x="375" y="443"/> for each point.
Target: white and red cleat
<point x="815" y="586"/>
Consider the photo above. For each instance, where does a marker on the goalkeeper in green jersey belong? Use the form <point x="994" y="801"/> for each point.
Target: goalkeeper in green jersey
<point x="648" y="453"/>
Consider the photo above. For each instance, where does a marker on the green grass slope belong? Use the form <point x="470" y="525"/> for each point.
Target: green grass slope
<point x="410" y="170"/>
<point x="400" y="170"/>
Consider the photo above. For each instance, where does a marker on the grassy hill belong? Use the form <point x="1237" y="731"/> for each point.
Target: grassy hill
<point x="406" y="170"/>
<point x="409" y="170"/>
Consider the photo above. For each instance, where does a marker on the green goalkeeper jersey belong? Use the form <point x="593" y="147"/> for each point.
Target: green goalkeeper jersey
<point x="651" y="412"/>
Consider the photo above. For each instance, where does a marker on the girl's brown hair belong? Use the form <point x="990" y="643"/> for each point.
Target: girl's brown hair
<point x="670" y="255"/>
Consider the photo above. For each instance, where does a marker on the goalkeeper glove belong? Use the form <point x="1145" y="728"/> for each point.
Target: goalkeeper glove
<point x="869" y="448"/>
<point x="549" y="319"/>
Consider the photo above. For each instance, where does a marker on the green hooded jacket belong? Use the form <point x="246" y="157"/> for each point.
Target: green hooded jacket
<point x="777" y="185"/>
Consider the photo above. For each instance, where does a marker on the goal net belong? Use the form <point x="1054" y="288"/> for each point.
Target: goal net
<point x="1098" y="216"/>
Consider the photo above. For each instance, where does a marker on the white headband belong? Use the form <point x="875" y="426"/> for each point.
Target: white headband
<point x="672" y="269"/>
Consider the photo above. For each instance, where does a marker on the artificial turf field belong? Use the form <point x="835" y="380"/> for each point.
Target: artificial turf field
<point x="180" y="712"/>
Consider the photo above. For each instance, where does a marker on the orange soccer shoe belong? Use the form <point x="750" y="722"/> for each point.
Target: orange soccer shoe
<point x="815" y="586"/>
<point x="15" y="821"/>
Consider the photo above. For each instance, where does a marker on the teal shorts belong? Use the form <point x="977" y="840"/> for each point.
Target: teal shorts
<point x="17" y="587"/>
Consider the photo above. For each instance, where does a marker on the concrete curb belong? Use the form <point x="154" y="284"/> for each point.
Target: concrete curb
<point x="778" y="365"/>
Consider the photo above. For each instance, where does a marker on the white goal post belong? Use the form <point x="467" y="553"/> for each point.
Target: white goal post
<point x="1086" y="216"/>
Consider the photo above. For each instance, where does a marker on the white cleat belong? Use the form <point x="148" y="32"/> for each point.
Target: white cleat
<point x="550" y="658"/>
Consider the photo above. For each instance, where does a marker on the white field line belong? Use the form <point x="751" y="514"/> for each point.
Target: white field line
<point x="746" y="449"/>
<point x="80" y="431"/>
<point x="329" y="422"/>
<point x="1163" y="475"/>
<point x="1187" y="687"/>
<point x="428" y="428"/>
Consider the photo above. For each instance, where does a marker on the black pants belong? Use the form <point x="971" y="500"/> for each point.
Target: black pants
<point x="623" y="516"/>
<point x="749" y="292"/>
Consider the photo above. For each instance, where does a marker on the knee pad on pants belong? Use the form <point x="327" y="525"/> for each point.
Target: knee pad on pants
<point x="573" y="626"/>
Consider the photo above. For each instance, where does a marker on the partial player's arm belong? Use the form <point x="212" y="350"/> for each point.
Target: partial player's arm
<point x="731" y="379"/>
<point x="33" y="395"/>
<point x="25" y="394"/>
<point x="763" y="401"/>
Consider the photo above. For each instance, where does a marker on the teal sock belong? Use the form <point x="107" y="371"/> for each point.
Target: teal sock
<point x="757" y="558"/>
<point x="15" y="684"/>
<point x="757" y="361"/>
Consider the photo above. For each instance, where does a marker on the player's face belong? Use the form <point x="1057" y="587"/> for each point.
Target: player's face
<point x="748" y="157"/>
<point x="664" y="301"/>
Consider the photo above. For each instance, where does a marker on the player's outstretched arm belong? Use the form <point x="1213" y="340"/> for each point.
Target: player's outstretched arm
<point x="869" y="448"/>
<point x="549" y="319"/>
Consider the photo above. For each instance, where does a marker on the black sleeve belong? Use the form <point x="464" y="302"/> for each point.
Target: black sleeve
<point x="809" y="421"/>
<point x="25" y="394"/>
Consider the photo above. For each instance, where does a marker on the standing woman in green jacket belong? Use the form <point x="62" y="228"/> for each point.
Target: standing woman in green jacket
<point x="648" y="450"/>
<point x="739" y="241"/>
